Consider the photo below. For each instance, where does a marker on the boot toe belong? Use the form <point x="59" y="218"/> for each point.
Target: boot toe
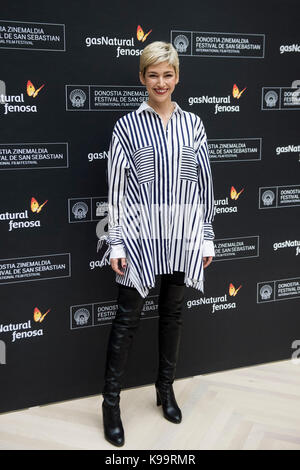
<point x="115" y="440"/>
<point x="165" y="397"/>
<point x="115" y="436"/>
<point x="173" y="415"/>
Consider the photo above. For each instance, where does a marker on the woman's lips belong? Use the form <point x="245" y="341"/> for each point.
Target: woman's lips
<point x="160" y="92"/>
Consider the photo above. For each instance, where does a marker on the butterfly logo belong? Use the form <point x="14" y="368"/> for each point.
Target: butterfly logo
<point x="31" y="91"/>
<point x="35" y="206"/>
<point x="141" y="35"/>
<point x="234" y="194"/>
<point x="38" y="316"/>
<point x="236" y="93"/>
<point x="232" y="290"/>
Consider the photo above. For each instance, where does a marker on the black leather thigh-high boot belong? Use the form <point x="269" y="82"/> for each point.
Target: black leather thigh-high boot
<point x="170" y="325"/>
<point x="125" y="324"/>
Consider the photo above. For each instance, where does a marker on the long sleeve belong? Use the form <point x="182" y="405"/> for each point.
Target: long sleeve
<point x="118" y="251"/>
<point x="206" y="189"/>
<point x="208" y="248"/>
<point x="117" y="164"/>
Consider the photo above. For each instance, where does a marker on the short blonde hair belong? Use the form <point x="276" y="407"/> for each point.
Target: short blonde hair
<point x="159" y="51"/>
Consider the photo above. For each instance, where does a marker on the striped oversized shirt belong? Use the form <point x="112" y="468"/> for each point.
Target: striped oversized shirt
<point x="160" y="197"/>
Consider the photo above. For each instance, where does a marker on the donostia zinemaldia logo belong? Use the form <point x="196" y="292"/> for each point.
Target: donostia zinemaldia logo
<point x="78" y="98"/>
<point x="81" y="316"/>
<point x="271" y="98"/>
<point x="101" y="209"/>
<point x="268" y="197"/>
<point x="265" y="292"/>
<point x="181" y="43"/>
<point x="80" y="209"/>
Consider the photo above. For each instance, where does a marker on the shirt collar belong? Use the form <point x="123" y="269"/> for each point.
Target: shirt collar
<point x="145" y="106"/>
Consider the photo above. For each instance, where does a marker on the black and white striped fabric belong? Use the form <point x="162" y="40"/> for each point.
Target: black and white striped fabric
<point x="160" y="197"/>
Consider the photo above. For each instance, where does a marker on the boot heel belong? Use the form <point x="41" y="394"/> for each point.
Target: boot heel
<point x="158" y="400"/>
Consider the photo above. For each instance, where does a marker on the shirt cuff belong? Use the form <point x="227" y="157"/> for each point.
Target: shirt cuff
<point x="208" y="248"/>
<point x="117" y="251"/>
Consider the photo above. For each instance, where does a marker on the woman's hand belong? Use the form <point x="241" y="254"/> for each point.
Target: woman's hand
<point x="207" y="260"/>
<point x="117" y="264"/>
<point x="120" y="263"/>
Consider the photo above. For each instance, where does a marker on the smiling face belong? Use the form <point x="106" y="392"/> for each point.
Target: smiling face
<point x="160" y="80"/>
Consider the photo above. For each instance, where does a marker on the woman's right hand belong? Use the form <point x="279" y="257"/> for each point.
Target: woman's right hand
<point x="117" y="264"/>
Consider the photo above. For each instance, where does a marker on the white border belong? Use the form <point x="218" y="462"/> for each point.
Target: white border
<point x="111" y="86"/>
<point x="276" y="186"/>
<point x="243" y="160"/>
<point x="93" y="313"/>
<point x="273" y="281"/>
<point x="33" y="48"/>
<point x="91" y="208"/>
<point x="220" y="32"/>
<point x="280" y="108"/>
<point x="41" y="167"/>
<point x="38" y="256"/>
<point x="215" y="259"/>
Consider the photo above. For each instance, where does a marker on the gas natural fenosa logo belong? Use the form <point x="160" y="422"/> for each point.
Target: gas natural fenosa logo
<point x="31" y="90"/>
<point x="19" y="220"/>
<point x="218" y="303"/>
<point x="234" y="194"/>
<point x="289" y="48"/>
<point x="38" y="316"/>
<point x="222" y="205"/>
<point x="222" y="103"/>
<point x="93" y="156"/>
<point x="291" y="148"/>
<point x="141" y="36"/>
<point x="288" y="244"/>
<point x="35" y="206"/>
<point x="233" y="290"/>
<point x="25" y="330"/>
<point x="128" y="51"/>
<point x="236" y="93"/>
<point x="16" y="103"/>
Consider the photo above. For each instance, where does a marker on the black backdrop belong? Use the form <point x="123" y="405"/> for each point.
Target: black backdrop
<point x="54" y="148"/>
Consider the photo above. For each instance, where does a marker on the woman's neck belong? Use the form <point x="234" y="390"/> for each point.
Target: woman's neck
<point x="163" y="109"/>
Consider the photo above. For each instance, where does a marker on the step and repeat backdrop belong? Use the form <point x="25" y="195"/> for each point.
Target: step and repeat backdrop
<point x="69" y="70"/>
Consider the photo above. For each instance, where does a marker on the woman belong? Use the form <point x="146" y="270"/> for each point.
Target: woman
<point x="160" y="213"/>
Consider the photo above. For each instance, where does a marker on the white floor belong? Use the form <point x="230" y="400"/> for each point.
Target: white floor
<point x="248" y="408"/>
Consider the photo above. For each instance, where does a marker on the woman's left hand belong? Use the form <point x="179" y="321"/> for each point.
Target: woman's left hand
<point x="207" y="260"/>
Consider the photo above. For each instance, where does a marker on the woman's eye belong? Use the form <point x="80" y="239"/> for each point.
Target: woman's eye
<point x="154" y="76"/>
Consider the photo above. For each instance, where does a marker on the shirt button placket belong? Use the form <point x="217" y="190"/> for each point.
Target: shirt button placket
<point x="170" y="201"/>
